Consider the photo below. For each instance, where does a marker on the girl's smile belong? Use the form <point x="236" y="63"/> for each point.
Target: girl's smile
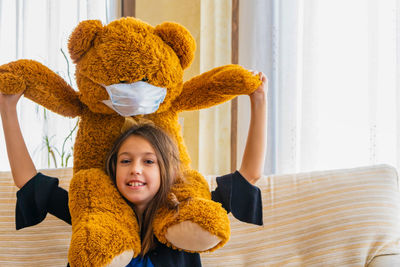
<point x="136" y="184"/>
<point x="137" y="172"/>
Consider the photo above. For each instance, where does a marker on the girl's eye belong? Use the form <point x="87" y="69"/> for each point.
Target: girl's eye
<point x="149" y="161"/>
<point x="124" y="161"/>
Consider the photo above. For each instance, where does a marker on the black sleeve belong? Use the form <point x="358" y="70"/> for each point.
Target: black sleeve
<point x="240" y="197"/>
<point x="37" y="197"/>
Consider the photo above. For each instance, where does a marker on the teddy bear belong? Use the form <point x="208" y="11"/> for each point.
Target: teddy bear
<point x="105" y="231"/>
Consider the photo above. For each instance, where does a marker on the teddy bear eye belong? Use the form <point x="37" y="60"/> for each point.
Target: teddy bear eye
<point x="145" y="79"/>
<point x="123" y="81"/>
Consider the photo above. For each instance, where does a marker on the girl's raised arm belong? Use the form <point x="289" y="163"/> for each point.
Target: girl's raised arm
<point x="22" y="167"/>
<point x="254" y="152"/>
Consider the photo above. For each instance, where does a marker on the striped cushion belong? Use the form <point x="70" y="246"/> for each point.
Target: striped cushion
<point x="331" y="218"/>
<point x="45" y="244"/>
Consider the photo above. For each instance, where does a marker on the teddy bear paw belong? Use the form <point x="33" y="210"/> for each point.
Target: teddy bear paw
<point x="198" y="225"/>
<point x="122" y="260"/>
<point x="191" y="236"/>
<point x="10" y="83"/>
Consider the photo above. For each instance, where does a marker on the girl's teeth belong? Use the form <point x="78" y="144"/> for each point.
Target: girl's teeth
<point x="135" y="184"/>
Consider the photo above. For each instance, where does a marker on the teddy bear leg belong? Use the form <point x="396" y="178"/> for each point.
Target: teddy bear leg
<point x="105" y="231"/>
<point x="199" y="225"/>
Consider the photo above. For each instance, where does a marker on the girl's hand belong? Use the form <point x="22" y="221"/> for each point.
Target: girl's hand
<point x="261" y="92"/>
<point x="8" y="102"/>
<point x="22" y="167"/>
<point x="254" y="152"/>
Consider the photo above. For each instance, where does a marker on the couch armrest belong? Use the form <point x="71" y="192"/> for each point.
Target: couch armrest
<point x="385" y="261"/>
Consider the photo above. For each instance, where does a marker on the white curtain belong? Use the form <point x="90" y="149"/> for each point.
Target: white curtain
<point x="39" y="30"/>
<point x="334" y="72"/>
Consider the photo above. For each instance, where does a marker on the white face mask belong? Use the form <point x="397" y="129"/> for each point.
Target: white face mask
<point x="136" y="98"/>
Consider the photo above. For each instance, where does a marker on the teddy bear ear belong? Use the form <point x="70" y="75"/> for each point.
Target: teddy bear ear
<point x="82" y="38"/>
<point x="179" y="39"/>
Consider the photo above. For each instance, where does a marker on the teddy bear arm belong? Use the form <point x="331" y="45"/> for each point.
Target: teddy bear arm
<point x="41" y="85"/>
<point x="215" y="87"/>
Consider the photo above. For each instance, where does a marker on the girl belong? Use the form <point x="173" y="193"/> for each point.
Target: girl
<point x="143" y="164"/>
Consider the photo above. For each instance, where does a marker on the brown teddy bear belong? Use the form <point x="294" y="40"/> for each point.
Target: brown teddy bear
<point x="105" y="229"/>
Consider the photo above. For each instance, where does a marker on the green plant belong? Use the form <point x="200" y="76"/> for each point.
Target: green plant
<point x="66" y="152"/>
<point x="64" y="155"/>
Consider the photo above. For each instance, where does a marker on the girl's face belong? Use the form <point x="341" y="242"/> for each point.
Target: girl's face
<point x="137" y="172"/>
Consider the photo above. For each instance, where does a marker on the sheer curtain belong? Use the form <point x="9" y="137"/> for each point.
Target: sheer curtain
<point x="39" y="30"/>
<point x="214" y="122"/>
<point x="334" y="69"/>
<point x="206" y="132"/>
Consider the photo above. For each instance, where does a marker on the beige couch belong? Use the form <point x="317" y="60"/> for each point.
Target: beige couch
<point x="345" y="217"/>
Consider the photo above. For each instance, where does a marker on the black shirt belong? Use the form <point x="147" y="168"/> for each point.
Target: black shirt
<point x="42" y="195"/>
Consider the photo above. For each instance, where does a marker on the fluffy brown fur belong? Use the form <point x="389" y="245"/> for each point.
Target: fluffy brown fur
<point x="127" y="50"/>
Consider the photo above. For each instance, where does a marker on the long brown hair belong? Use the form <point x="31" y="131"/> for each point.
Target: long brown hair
<point x="170" y="170"/>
